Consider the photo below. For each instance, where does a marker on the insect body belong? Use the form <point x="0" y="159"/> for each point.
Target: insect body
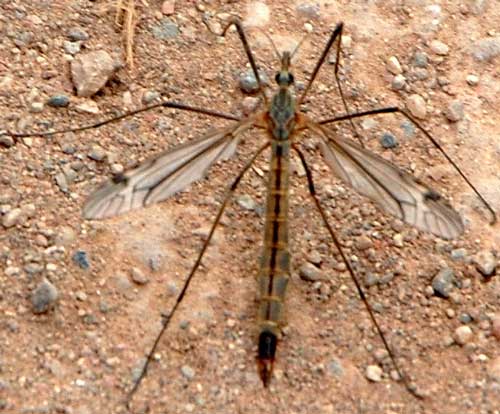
<point x="395" y="191"/>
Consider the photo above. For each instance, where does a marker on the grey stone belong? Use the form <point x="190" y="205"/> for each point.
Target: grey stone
<point x="485" y="263"/>
<point x="485" y="50"/>
<point x="388" y="140"/>
<point x="91" y="71"/>
<point x="72" y="48"/>
<point x="309" y="272"/>
<point x="58" y="101"/>
<point x="44" y="297"/>
<point x="455" y="111"/>
<point x="442" y="284"/>
<point x="165" y="30"/>
<point x="76" y="34"/>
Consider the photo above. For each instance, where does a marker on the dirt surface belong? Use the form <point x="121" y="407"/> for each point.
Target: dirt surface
<point x="81" y="356"/>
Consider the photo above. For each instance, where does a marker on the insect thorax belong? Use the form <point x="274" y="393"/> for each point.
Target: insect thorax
<point x="282" y="114"/>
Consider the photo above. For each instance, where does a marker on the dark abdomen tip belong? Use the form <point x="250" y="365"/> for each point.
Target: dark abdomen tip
<point x="265" y="356"/>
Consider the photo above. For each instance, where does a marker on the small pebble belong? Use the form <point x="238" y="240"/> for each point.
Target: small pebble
<point x="485" y="263"/>
<point x="249" y="104"/>
<point x="309" y="272"/>
<point x="149" y="97"/>
<point x="91" y="71"/>
<point x="472" y="80"/>
<point x="442" y="284"/>
<point x="408" y="129"/>
<point x="398" y="240"/>
<point x="65" y="236"/>
<point x="76" y="34"/>
<point x="386" y="278"/>
<point x="88" y="107"/>
<point x="465" y="318"/>
<point x="248" y="82"/>
<point x="459" y="254"/>
<point x="420" y="59"/>
<point x="417" y="107"/>
<point x="81" y="259"/>
<point x="44" y="297"/>
<point x="117" y="169"/>
<point x="168" y="7"/>
<point x="138" y="276"/>
<point x="165" y="30"/>
<point x="12" y="271"/>
<point x="308" y="27"/>
<point x="335" y="368"/>
<point x="455" y="111"/>
<point x="450" y="313"/>
<point x="439" y="48"/>
<point x="58" y="101"/>
<point x="62" y="182"/>
<point x="485" y="50"/>
<point x="97" y="153"/>
<point x="72" y="48"/>
<point x="12" y="218"/>
<point x="388" y="140"/>
<point x="393" y="66"/>
<point x="421" y="73"/>
<point x="258" y="14"/>
<point x="6" y="141"/>
<point x="314" y="257"/>
<point x="380" y="354"/>
<point x="373" y="373"/>
<point x="463" y="335"/>
<point x="398" y="82"/>
<point x="308" y="10"/>
<point x="363" y="243"/>
<point x="247" y="202"/>
<point x="187" y="372"/>
<point x="81" y="296"/>
<point x="36" y="107"/>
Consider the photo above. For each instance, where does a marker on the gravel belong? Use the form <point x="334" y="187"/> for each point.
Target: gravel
<point x="442" y="284"/>
<point x="417" y="107"/>
<point x="44" y="297"/>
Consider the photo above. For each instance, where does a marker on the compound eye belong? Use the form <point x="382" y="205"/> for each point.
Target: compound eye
<point x="290" y="79"/>
<point x="277" y="78"/>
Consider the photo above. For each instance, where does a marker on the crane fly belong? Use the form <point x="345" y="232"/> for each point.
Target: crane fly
<point x="393" y="190"/>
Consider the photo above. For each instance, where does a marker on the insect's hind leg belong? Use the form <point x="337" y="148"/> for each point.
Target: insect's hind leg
<point x="168" y="317"/>
<point x="335" y="37"/>
<point x="435" y="143"/>
<point x="410" y="387"/>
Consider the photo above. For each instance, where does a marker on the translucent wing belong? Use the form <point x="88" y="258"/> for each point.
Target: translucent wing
<point x="396" y="191"/>
<point x="163" y="175"/>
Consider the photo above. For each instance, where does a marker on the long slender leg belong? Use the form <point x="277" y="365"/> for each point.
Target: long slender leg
<point x="395" y="109"/>
<point x="241" y="33"/>
<point x="167" y="104"/>
<point x="336" y="37"/>
<point x="168" y="317"/>
<point x="337" y="32"/>
<point x="336" y="241"/>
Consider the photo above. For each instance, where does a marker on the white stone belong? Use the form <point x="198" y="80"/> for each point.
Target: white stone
<point x="394" y="66"/>
<point x="462" y="335"/>
<point x="373" y="373"/>
<point x="417" y="107"/>
<point x="439" y="48"/>
<point x="258" y="14"/>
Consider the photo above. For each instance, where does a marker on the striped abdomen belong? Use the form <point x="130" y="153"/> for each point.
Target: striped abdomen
<point x="275" y="261"/>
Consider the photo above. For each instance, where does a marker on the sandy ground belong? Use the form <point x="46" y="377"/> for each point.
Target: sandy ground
<point x="81" y="356"/>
